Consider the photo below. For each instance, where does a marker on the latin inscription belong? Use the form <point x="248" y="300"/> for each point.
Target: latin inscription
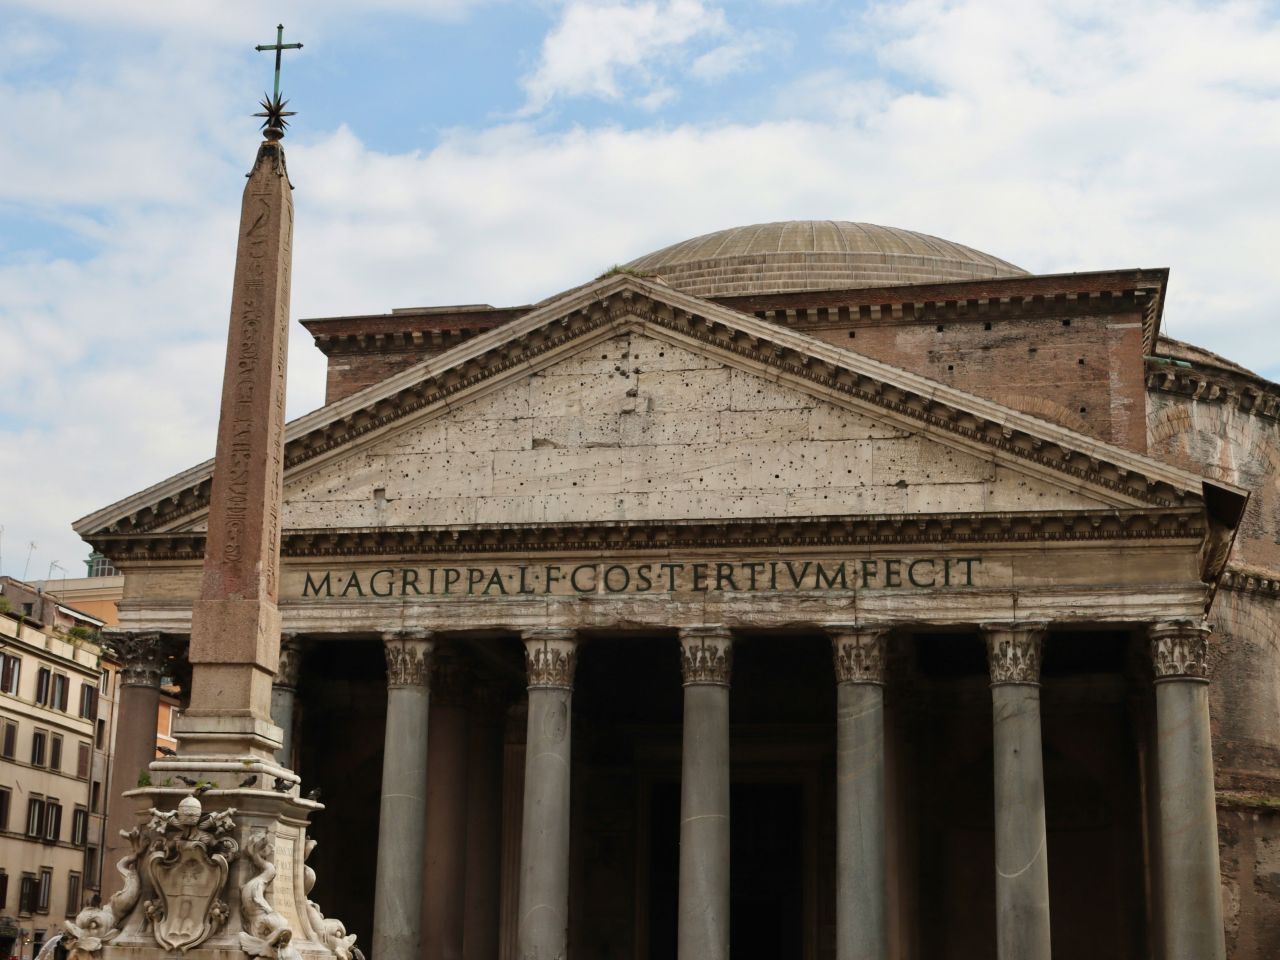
<point x="908" y="573"/>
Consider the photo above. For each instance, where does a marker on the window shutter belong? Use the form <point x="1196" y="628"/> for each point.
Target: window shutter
<point x="42" y="686"/>
<point x="9" y="745"/>
<point x="82" y="762"/>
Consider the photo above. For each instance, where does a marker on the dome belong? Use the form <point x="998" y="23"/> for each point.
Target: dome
<point x="796" y="255"/>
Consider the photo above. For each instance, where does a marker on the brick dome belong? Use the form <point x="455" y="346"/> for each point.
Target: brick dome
<point x="798" y="255"/>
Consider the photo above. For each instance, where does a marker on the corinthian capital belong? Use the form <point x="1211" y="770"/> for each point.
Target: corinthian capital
<point x="550" y="658"/>
<point x="142" y="656"/>
<point x="706" y="655"/>
<point x="1180" y="651"/>
<point x="1014" y="652"/>
<point x="408" y="658"/>
<point x="858" y="653"/>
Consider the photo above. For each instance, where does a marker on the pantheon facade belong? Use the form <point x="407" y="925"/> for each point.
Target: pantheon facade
<point x="803" y="590"/>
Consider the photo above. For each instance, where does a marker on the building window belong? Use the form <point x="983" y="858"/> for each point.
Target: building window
<point x="46" y="889"/>
<point x="4" y="890"/>
<point x="52" y="821"/>
<point x="10" y="667"/>
<point x="27" y="894"/>
<point x="6" y="796"/>
<point x="39" y="740"/>
<point x="100" y="736"/>
<point x="88" y="701"/>
<point x="100" y="566"/>
<point x="79" y="826"/>
<point x="104" y="683"/>
<point x="82" y="761"/>
<point x="8" y="739"/>
<point x="55" y="751"/>
<point x="95" y="794"/>
<point x="35" y="817"/>
<point x="42" y="685"/>
<point x="60" y="695"/>
<point x="91" y="863"/>
<point x="73" y="894"/>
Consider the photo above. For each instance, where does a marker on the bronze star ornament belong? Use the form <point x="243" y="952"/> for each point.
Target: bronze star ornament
<point x="273" y="109"/>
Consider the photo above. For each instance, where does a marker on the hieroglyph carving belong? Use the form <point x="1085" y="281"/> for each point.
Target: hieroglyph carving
<point x="408" y="660"/>
<point x="94" y="926"/>
<point x="266" y="932"/>
<point x="332" y="933"/>
<point x="190" y="858"/>
<point x="859" y="656"/>
<point x="1014" y="654"/>
<point x="1180" y="652"/>
<point x="550" y="660"/>
<point x="706" y="657"/>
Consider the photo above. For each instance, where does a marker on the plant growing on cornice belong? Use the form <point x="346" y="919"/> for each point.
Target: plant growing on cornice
<point x="6" y="605"/>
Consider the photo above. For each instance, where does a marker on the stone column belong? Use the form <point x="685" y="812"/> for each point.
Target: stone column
<point x="861" y="881"/>
<point x="142" y="657"/>
<point x="1022" y="862"/>
<point x="550" y="657"/>
<point x="703" y="918"/>
<point x="444" y="883"/>
<point x="284" y="696"/>
<point x="397" y="902"/>
<point x="481" y="914"/>
<point x="1190" y="878"/>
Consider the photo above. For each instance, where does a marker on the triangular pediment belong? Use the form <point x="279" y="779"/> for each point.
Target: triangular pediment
<point x="627" y="401"/>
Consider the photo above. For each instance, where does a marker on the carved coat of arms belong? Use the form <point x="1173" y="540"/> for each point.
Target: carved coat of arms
<point x="188" y="866"/>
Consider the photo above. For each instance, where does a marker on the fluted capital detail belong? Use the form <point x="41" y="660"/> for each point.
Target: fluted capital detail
<point x="550" y="658"/>
<point x="142" y="656"/>
<point x="1014" y="652"/>
<point x="859" y="653"/>
<point x="1180" y="651"/>
<point x="706" y="655"/>
<point x="290" y="666"/>
<point x="408" y="658"/>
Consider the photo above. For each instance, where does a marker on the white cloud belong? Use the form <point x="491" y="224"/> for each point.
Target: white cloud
<point x="611" y="49"/>
<point x="1086" y="136"/>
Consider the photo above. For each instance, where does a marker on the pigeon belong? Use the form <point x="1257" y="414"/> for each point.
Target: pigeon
<point x="201" y="790"/>
<point x="281" y="785"/>
<point x="314" y="795"/>
<point x="187" y="780"/>
<point x="166" y="752"/>
<point x="250" y="780"/>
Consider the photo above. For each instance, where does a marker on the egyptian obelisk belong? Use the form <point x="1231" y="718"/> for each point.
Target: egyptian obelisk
<point x="216" y="863"/>
<point x="235" y="624"/>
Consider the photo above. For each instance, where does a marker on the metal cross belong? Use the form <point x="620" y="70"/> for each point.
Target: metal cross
<point x="278" y="46"/>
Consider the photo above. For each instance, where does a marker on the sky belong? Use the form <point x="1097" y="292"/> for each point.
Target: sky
<point x="464" y="151"/>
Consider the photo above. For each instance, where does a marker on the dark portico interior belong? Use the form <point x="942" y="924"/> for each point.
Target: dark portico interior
<point x="1097" y="714"/>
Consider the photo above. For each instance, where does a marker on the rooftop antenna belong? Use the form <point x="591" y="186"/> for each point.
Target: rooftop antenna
<point x="54" y="565"/>
<point x="31" y="548"/>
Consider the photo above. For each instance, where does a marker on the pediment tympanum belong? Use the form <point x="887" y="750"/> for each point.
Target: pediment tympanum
<point x="637" y="428"/>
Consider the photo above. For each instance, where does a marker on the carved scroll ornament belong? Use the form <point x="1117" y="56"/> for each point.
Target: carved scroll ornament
<point x="408" y="659"/>
<point x="1014" y="653"/>
<point x="550" y="658"/>
<point x="706" y="656"/>
<point x="266" y="932"/>
<point x="1180" y="651"/>
<point x="859" y="655"/>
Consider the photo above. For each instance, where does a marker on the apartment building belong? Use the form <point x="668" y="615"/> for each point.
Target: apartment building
<point x="50" y="673"/>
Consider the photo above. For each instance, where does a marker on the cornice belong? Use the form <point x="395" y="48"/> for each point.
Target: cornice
<point x="836" y="531"/>
<point x="620" y="302"/>
<point x="1249" y="394"/>
<point x="1252" y="582"/>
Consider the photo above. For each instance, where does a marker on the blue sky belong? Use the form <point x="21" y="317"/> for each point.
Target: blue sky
<point x="451" y="151"/>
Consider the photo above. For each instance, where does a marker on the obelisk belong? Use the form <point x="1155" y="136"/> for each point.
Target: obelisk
<point x="235" y="624"/>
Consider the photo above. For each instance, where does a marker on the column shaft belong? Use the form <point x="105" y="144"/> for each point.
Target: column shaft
<point x="444" y="882"/>
<point x="481" y="937"/>
<point x="141" y="657"/>
<point x="1190" y="878"/>
<point x="1022" y="861"/>
<point x="861" y="881"/>
<point x="544" y="849"/>
<point x="703" y="917"/>
<point x="284" y="697"/>
<point x="397" y="906"/>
